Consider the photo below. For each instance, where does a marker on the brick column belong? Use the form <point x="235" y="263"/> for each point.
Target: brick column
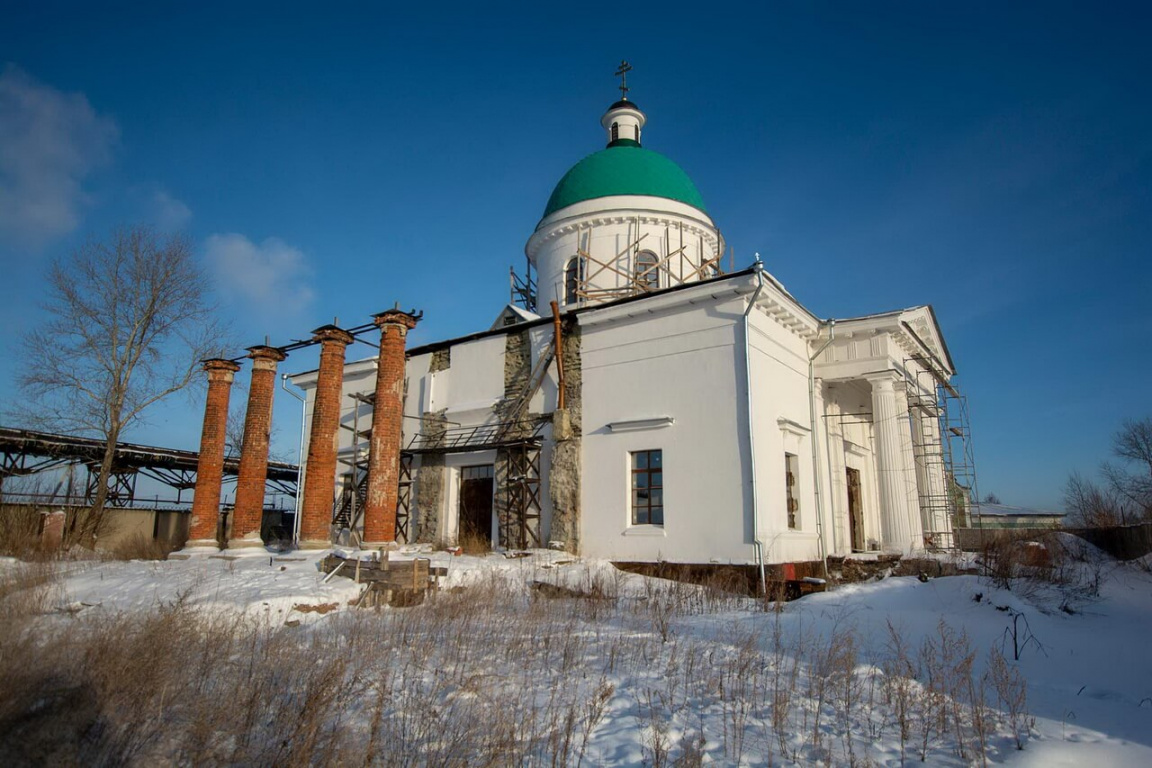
<point x="320" y="472"/>
<point x="249" y="512"/>
<point x="387" y="429"/>
<point x="210" y="466"/>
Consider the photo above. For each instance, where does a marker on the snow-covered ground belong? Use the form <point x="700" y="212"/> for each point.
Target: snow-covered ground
<point x="1086" y="658"/>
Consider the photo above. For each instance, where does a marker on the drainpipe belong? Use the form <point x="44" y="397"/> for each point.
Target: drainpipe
<point x="828" y="449"/>
<point x="815" y="452"/>
<point x="756" y="541"/>
<point x="299" y="458"/>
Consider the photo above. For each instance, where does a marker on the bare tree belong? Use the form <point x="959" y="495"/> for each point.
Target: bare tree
<point x="1125" y="495"/>
<point x="1134" y="443"/>
<point x="1133" y="479"/>
<point x="234" y="425"/>
<point x="127" y="322"/>
<point x="1091" y="504"/>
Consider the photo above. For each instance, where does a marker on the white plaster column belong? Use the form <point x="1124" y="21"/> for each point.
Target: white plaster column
<point x="908" y="462"/>
<point x="895" y="511"/>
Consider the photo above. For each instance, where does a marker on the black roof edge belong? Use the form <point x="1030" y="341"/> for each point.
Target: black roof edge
<point x="517" y="327"/>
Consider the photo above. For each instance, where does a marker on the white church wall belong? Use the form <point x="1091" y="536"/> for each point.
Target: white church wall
<point x="418" y="399"/>
<point x="476" y="380"/>
<point x="678" y="364"/>
<point x="781" y="421"/>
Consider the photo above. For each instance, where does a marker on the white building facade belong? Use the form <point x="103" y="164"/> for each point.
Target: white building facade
<point x="664" y="410"/>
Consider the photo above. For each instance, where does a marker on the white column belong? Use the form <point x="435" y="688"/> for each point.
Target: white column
<point x="895" y="511"/>
<point x="908" y="463"/>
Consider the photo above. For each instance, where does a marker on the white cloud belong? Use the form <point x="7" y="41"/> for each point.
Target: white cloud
<point x="266" y="279"/>
<point x="169" y="213"/>
<point x="50" y="141"/>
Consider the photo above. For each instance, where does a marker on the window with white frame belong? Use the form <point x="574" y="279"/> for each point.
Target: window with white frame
<point x="647" y="487"/>
<point x="792" y="489"/>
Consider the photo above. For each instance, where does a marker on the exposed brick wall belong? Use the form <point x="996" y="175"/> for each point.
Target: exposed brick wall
<point x="387" y="428"/>
<point x="52" y="530"/>
<point x="210" y="466"/>
<point x="254" y="452"/>
<point x="320" y="477"/>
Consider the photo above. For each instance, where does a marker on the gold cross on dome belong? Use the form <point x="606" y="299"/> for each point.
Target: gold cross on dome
<point x="622" y="73"/>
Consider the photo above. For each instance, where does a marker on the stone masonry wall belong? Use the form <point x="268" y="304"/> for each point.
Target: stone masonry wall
<point x="564" y="469"/>
<point x="441" y="360"/>
<point x="428" y="494"/>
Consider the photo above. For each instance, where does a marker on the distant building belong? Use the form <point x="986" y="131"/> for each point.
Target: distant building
<point x="1002" y="516"/>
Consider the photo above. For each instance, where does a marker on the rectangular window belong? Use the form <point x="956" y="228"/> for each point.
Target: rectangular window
<point x="478" y="472"/>
<point x="647" y="488"/>
<point x="792" y="489"/>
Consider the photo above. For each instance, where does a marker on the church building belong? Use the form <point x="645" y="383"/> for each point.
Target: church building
<point x="634" y="402"/>
<point x="638" y="403"/>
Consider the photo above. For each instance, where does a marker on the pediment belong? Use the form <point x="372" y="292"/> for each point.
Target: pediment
<point x="921" y="321"/>
<point x="512" y="315"/>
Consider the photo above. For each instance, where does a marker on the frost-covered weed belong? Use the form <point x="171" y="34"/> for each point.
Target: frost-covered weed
<point x="491" y="674"/>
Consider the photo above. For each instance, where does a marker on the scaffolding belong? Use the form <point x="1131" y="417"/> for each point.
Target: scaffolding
<point x="585" y="277"/>
<point x="349" y="506"/>
<point x="523" y="287"/>
<point x="520" y="514"/>
<point x="942" y="449"/>
<point x="404" y="499"/>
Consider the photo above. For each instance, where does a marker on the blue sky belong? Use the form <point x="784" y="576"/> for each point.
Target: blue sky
<point x="331" y="160"/>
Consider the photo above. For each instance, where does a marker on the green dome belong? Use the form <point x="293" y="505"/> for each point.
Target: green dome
<point x="624" y="168"/>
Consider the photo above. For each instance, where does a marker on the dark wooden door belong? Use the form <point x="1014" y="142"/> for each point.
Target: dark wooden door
<point x="855" y="510"/>
<point x="476" y="485"/>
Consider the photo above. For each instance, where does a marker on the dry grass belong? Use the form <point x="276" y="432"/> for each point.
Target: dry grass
<point x="491" y="675"/>
<point x="140" y="547"/>
<point x="473" y="543"/>
<point x="20" y="532"/>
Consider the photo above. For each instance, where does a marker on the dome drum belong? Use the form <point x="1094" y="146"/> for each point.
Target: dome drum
<point x="622" y="221"/>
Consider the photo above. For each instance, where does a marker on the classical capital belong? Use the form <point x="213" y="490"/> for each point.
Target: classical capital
<point x="884" y="381"/>
<point x="406" y="320"/>
<point x="332" y="334"/>
<point x="219" y="369"/>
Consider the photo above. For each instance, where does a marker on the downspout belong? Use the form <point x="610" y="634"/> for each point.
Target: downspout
<point x="557" y="341"/>
<point x="758" y="266"/>
<point x="828" y="449"/>
<point x="299" y="458"/>
<point x="815" y="452"/>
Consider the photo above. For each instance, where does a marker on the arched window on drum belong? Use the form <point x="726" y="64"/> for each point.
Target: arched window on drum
<point x="647" y="274"/>
<point x="573" y="277"/>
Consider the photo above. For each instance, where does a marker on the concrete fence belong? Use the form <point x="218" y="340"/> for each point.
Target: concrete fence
<point x="1124" y="542"/>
